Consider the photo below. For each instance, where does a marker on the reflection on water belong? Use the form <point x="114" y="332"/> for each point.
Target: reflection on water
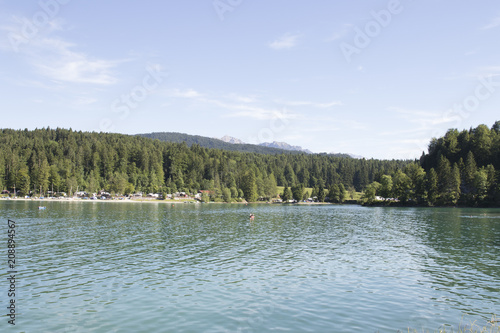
<point x="123" y="267"/>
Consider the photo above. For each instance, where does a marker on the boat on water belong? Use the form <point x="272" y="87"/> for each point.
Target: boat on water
<point x="42" y="207"/>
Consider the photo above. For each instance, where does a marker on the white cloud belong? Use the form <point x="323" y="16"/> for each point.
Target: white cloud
<point x="425" y="118"/>
<point x="187" y="93"/>
<point x="310" y="104"/>
<point x="85" y="100"/>
<point x="341" y="33"/>
<point x="253" y="112"/>
<point x="493" y="24"/>
<point x="285" y="42"/>
<point x="243" y="99"/>
<point x="57" y="59"/>
<point x="249" y="106"/>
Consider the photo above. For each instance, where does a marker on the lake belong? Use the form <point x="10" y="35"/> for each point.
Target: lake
<point x="154" y="267"/>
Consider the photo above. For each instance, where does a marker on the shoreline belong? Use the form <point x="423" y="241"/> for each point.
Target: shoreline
<point x="188" y="201"/>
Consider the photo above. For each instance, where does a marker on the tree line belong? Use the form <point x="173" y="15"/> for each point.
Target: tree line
<point x="33" y="162"/>
<point x="461" y="168"/>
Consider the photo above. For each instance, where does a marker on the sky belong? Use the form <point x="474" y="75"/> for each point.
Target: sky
<point x="377" y="79"/>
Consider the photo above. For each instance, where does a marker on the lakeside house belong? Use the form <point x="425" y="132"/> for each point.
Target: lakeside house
<point x="104" y="195"/>
<point x="81" y="194"/>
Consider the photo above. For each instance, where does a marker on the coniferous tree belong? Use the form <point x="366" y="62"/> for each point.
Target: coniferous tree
<point x="249" y="186"/>
<point x="432" y="187"/>
<point x="342" y="193"/>
<point x="287" y="194"/>
<point x="298" y="192"/>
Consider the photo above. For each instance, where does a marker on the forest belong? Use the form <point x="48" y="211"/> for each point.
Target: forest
<point x="219" y="144"/>
<point x="63" y="160"/>
<point x="460" y="168"/>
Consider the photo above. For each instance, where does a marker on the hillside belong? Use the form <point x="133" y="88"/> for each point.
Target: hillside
<point x="61" y="160"/>
<point x="212" y="143"/>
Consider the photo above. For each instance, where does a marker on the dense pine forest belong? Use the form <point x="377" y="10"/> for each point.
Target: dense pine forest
<point x="460" y="168"/>
<point x="62" y="160"/>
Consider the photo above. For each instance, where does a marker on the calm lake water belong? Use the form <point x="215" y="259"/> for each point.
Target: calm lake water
<point x="152" y="267"/>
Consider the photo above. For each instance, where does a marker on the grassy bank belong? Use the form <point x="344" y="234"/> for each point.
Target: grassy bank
<point x="356" y="196"/>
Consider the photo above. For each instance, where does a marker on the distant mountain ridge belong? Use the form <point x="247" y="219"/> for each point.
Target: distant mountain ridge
<point x="285" y="146"/>
<point x="230" y="139"/>
<point x="207" y="142"/>
<point x="234" y="144"/>
<point x="274" y="144"/>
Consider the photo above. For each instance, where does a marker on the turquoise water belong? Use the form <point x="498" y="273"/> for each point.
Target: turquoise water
<point x="152" y="267"/>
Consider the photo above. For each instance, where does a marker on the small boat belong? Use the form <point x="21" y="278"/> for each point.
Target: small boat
<point x="42" y="207"/>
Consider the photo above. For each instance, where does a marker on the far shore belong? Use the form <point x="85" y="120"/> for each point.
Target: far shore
<point x="153" y="200"/>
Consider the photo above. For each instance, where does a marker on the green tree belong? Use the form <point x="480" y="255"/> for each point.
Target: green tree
<point x="385" y="189"/>
<point x="481" y="185"/>
<point x="469" y="174"/>
<point x="334" y="193"/>
<point x="42" y="175"/>
<point x="226" y="194"/>
<point x="270" y="186"/>
<point x="371" y="192"/>
<point x="417" y="177"/>
<point x="432" y="187"/>
<point x="287" y="194"/>
<point x="402" y="187"/>
<point x="298" y="192"/>
<point x="23" y="180"/>
<point x="249" y="186"/>
<point x="321" y="191"/>
<point x="54" y="178"/>
<point x="342" y="193"/>
<point x="306" y="195"/>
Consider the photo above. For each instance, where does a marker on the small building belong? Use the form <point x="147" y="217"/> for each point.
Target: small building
<point x="104" y="195"/>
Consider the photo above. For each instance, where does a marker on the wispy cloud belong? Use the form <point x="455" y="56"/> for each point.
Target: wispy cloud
<point x="287" y="41"/>
<point x="55" y="59"/>
<point x="186" y="93"/>
<point x="426" y="119"/>
<point x="341" y="33"/>
<point x="58" y="60"/>
<point x="243" y="99"/>
<point x="251" y="110"/>
<point x="493" y="24"/>
<point x="310" y="104"/>
<point x="235" y="105"/>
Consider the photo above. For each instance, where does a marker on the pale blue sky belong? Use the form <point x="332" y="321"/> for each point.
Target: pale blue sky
<point x="374" y="78"/>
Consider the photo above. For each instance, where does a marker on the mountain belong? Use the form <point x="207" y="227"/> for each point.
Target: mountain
<point x="206" y="142"/>
<point x="359" y="157"/>
<point x="285" y="146"/>
<point x="275" y="144"/>
<point x="233" y="140"/>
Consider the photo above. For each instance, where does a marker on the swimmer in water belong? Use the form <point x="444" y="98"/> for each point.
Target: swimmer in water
<point x="252" y="216"/>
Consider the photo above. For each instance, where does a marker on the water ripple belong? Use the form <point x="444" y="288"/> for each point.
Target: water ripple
<point x="133" y="268"/>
